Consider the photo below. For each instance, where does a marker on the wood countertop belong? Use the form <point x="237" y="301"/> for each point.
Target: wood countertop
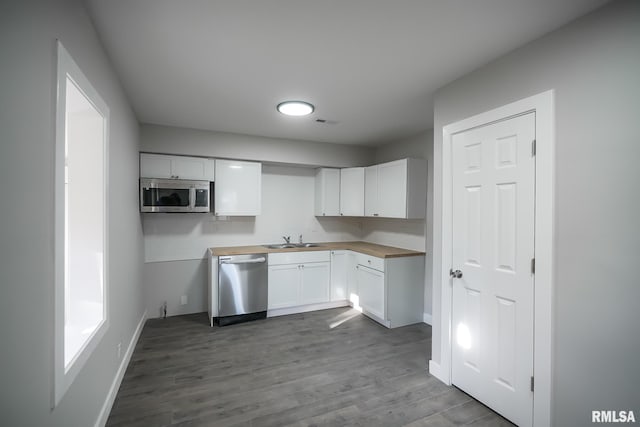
<point x="372" y="249"/>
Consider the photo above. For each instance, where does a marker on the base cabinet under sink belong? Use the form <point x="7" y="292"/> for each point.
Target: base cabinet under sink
<point x="304" y="279"/>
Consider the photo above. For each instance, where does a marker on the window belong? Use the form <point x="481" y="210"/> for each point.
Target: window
<point x="82" y="122"/>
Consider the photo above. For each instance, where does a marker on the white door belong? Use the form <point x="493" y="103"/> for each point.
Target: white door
<point x="327" y="202"/>
<point x="392" y="189"/>
<point x="371" y="191"/>
<point x="189" y="168"/>
<point x="339" y="275"/>
<point x="155" y="166"/>
<point x="493" y="247"/>
<point x="238" y="188"/>
<point x="284" y="284"/>
<point x="352" y="192"/>
<point x="314" y="283"/>
<point x="371" y="291"/>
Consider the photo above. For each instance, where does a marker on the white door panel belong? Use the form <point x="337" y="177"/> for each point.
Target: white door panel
<point x="314" y="285"/>
<point x="493" y="244"/>
<point x="371" y="291"/>
<point x="284" y="283"/>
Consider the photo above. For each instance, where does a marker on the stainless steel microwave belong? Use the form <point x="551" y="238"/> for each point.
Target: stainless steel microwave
<point x="174" y="195"/>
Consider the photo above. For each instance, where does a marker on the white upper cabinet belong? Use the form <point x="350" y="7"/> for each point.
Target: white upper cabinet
<point x="397" y="189"/>
<point x="371" y="191"/>
<point x="238" y="188"/>
<point x="176" y="167"/>
<point x="327" y="196"/>
<point x="352" y="192"/>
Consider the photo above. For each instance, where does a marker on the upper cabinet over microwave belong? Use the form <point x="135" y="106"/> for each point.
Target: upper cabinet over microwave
<point x="176" y="167"/>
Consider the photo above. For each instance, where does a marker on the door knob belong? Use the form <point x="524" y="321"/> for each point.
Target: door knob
<point x="456" y="274"/>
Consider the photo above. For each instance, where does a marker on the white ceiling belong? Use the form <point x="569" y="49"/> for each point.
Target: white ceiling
<point x="369" y="66"/>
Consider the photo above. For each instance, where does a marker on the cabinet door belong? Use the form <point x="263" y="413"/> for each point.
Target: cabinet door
<point x="339" y="276"/>
<point x="392" y="189"/>
<point x="371" y="290"/>
<point x="238" y="187"/>
<point x="352" y="192"/>
<point x="352" y="279"/>
<point x="327" y="196"/>
<point x="314" y="286"/>
<point x="371" y="202"/>
<point x="155" y="166"/>
<point x="175" y="167"/>
<point x="284" y="283"/>
<point x="191" y="168"/>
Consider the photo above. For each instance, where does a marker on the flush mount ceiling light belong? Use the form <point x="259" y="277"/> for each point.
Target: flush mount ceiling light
<point x="295" y="108"/>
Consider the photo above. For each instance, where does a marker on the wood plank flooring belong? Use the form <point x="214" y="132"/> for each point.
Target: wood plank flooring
<point x="332" y="367"/>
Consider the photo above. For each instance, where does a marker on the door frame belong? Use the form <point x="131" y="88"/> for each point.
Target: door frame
<point x="543" y="105"/>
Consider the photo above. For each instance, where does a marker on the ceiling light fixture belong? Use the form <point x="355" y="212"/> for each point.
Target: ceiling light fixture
<point x="295" y="108"/>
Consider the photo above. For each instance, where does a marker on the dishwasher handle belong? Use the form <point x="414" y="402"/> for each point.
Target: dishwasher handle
<point x="245" y="261"/>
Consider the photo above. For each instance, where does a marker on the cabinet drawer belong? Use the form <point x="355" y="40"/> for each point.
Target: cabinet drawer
<point x="298" y="257"/>
<point x="370" y="261"/>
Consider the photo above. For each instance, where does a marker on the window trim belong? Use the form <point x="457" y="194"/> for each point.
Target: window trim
<point x="63" y="378"/>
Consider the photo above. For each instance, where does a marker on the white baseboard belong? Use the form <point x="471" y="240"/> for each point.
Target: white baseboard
<point x="436" y="370"/>
<point x="115" y="385"/>
<point x="426" y="318"/>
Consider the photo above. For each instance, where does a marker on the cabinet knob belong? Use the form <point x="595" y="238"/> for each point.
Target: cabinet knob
<point x="455" y="274"/>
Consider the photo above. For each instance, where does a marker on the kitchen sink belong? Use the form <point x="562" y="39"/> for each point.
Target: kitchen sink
<point x="281" y="246"/>
<point x="291" y="245"/>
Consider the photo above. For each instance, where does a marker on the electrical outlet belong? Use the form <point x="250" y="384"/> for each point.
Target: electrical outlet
<point x="183" y="300"/>
<point x="119" y="350"/>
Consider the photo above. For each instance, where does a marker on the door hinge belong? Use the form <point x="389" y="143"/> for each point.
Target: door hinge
<point x="531" y="383"/>
<point x="533" y="266"/>
<point x="533" y="148"/>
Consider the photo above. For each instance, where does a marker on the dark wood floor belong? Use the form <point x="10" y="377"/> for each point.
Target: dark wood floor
<point x="332" y="367"/>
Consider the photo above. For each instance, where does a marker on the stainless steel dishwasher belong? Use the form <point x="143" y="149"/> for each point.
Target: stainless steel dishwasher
<point x="242" y="288"/>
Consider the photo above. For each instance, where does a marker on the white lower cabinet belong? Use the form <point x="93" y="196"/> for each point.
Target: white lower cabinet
<point x="389" y="290"/>
<point x="371" y="290"/>
<point x="314" y="282"/>
<point x="298" y="279"/>
<point x="284" y="283"/>
<point x="339" y="275"/>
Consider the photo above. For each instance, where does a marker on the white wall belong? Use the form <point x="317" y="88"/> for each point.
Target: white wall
<point x="173" y="140"/>
<point x="27" y="115"/>
<point x="176" y="244"/>
<point x="593" y="65"/>
<point x="410" y="234"/>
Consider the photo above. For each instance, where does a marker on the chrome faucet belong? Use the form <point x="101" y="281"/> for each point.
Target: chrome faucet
<point x="287" y="239"/>
<point x="300" y="239"/>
